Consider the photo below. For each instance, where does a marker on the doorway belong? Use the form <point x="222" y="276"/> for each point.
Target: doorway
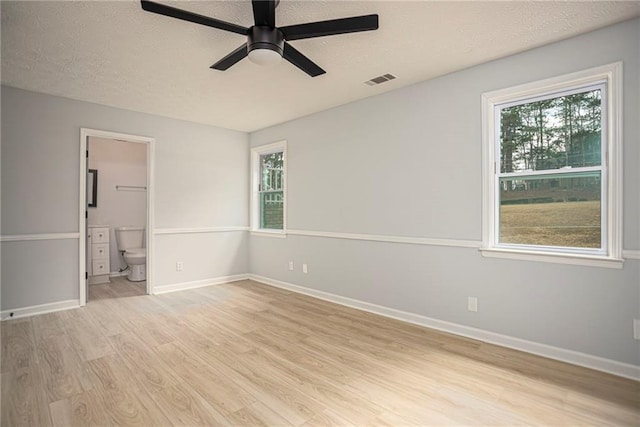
<point x="116" y="200"/>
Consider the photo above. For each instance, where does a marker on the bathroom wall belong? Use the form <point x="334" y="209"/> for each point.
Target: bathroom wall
<point x="118" y="163"/>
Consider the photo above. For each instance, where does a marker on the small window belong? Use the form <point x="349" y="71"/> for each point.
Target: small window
<point x="551" y="172"/>
<point x="269" y="188"/>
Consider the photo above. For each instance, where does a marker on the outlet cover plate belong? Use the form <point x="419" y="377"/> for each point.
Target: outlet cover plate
<point x="305" y="270"/>
<point x="472" y="304"/>
<point x="636" y="329"/>
<point x="290" y="265"/>
<point x="179" y="266"/>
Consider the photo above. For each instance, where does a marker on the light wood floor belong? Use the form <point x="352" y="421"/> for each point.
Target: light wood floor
<point x="120" y="287"/>
<point x="249" y="354"/>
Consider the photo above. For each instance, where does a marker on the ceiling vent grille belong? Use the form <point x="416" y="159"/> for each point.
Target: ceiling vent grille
<point x="380" y="79"/>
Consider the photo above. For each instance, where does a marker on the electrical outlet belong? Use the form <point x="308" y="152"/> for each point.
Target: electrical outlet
<point x="290" y="265"/>
<point x="179" y="266"/>
<point x="636" y="329"/>
<point x="472" y="304"/>
<point x="305" y="270"/>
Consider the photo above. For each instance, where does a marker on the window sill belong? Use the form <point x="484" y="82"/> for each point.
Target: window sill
<point x="278" y="234"/>
<point x="554" y="257"/>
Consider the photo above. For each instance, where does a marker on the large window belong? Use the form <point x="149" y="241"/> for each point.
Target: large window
<point x="268" y="185"/>
<point x="551" y="168"/>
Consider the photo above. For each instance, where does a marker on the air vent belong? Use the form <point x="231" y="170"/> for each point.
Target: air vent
<point x="380" y="79"/>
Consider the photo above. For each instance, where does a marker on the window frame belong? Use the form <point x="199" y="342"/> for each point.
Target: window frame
<point x="610" y="253"/>
<point x="254" y="208"/>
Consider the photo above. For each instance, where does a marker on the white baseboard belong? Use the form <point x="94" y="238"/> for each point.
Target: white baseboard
<point x="576" y="358"/>
<point x="118" y="273"/>
<point x="174" y="287"/>
<point x="39" y="309"/>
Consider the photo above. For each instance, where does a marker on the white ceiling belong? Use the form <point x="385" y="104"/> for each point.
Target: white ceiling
<point x="114" y="53"/>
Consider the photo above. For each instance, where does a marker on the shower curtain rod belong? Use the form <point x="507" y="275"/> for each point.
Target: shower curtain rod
<point x="131" y="187"/>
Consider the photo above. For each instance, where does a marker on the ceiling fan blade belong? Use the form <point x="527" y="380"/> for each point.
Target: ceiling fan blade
<point x="231" y="59"/>
<point x="184" y="15"/>
<point x="299" y="60"/>
<point x="330" y="27"/>
<point x="264" y="12"/>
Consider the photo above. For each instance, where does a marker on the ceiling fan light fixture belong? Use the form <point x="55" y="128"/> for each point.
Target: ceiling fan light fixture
<point x="264" y="56"/>
<point x="265" y="45"/>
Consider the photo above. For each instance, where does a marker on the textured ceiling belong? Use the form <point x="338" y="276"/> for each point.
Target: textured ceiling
<point x="114" y="53"/>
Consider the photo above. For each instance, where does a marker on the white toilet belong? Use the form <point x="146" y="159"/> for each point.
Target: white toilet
<point x="130" y="242"/>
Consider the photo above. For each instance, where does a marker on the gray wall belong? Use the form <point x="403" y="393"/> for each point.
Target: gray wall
<point x="201" y="180"/>
<point x="408" y="163"/>
<point x="402" y="163"/>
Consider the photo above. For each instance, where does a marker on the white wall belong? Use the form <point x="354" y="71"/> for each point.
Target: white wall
<point x="201" y="181"/>
<point x="118" y="163"/>
<point x="408" y="164"/>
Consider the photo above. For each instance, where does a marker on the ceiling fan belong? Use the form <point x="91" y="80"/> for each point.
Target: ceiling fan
<point x="267" y="43"/>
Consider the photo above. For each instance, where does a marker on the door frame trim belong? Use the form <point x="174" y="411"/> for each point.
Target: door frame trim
<point x="82" y="261"/>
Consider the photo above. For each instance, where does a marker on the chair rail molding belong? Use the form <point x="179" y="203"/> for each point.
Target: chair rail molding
<point x="39" y="236"/>
<point x="428" y="241"/>
<point x="188" y="230"/>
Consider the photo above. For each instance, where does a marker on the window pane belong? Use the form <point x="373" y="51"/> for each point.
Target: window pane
<point x="272" y="174"/>
<point x="271" y="210"/>
<point x="271" y="191"/>
<point x="558" y="210"/>
<point x="553" y="133"/>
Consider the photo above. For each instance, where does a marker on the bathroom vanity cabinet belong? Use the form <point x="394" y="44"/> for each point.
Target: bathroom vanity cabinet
<point x="98" y="254"/>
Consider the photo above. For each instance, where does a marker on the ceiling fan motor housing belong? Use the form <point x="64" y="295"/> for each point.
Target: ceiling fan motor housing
<point x="264" y="37"/>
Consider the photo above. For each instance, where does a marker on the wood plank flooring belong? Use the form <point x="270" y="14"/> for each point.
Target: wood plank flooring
<point x="120" y="287"/>
<point x="249" y="354"/>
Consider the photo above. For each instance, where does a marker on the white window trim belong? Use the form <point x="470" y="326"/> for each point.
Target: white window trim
<point x="611" y="75"/>
<point x="254" y="202"/>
